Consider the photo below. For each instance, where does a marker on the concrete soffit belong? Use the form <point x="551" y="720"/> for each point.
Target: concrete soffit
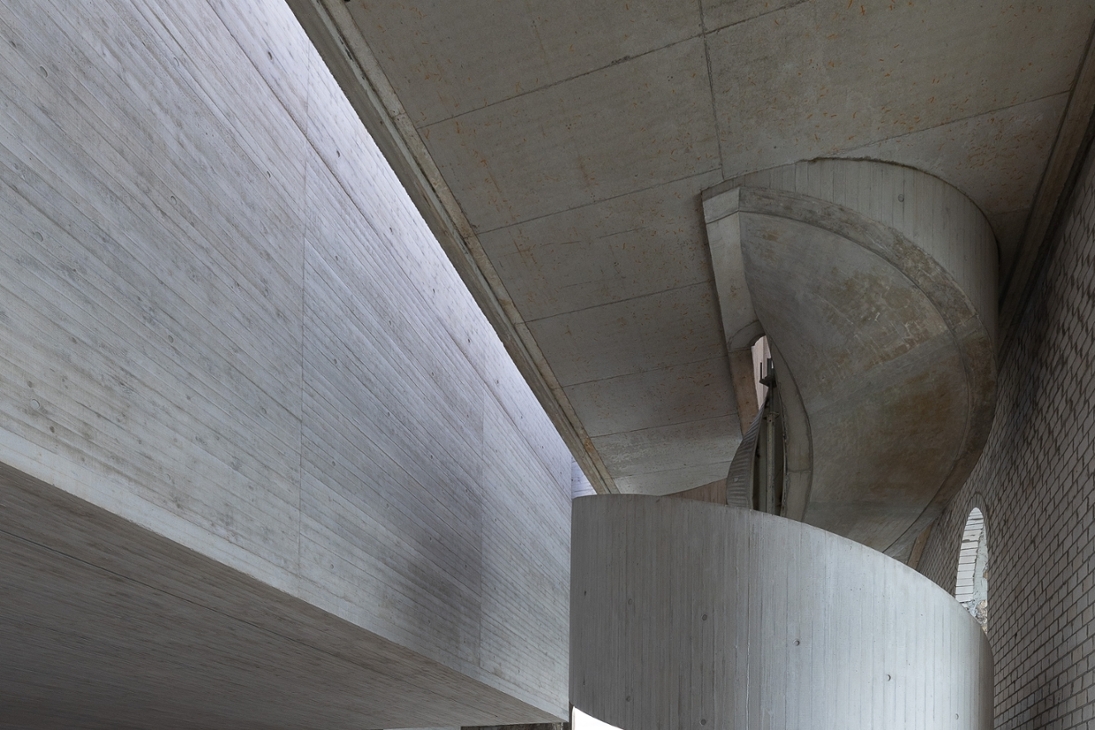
<point x="355" y="69"/>
<point x="1070" y="148"/>
<point x="876" y="286"/>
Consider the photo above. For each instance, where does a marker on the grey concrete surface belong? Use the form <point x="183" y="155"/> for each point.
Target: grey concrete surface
<point x="875" y="284"/>
<point x="224" y="322"/>
<point x="581" y="128"/>
<point x="992" y="150"/>
<point x="551" y="42"/>
<point x="714" y="492"/>
<point x="626" y="247"/>
<point x="691" y="614"/>
<point x="665" y="396"/>
<point x="105" y="624"/>
<point x="539" y="125"/>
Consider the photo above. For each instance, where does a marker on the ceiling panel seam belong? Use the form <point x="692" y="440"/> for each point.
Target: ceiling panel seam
<point x="709" y="282"/>
<point x="551" y="85"/>
<point x="599" y="201"/>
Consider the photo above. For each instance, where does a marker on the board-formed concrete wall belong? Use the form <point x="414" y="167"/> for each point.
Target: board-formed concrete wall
<point x="1034" y="484"/>
<point x="222" y="320"/>
<point x="691" y="615"/>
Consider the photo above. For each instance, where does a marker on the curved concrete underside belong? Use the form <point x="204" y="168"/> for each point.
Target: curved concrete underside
<point x="874" y="284"/>
<point x="693" y="615"/>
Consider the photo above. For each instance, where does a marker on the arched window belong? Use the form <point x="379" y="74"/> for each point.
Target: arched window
<point x="972" y="588"/>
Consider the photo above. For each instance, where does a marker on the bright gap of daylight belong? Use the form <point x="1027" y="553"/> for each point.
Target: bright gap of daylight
<point x="582" y="721"/>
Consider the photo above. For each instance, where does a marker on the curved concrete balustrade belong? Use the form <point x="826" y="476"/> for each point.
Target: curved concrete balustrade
<point x="694" y="615"/>
<point x="875" y="285"/>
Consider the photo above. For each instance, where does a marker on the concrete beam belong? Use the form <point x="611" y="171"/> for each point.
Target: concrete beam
<point x="226" y="324"/>
<point x="107" y="624"/>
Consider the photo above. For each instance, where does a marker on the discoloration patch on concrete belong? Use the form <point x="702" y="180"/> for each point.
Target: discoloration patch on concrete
<point x="969" y="91"/>
<point x="887" y="349"/>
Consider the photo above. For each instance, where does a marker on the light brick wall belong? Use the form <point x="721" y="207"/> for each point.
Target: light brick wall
<point x="1034" y="484"/>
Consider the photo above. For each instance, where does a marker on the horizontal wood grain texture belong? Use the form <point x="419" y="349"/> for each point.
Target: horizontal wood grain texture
<point x="222" y="319"/>
<point x="106" y="624"/>
<point x="690" y="614"/>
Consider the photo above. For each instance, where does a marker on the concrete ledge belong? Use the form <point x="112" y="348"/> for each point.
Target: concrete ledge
<point x="106" y="624"/>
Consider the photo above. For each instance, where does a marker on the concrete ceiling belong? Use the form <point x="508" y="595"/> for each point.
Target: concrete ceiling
<point x="105" y="624"/>
<point x="569" y="142"/>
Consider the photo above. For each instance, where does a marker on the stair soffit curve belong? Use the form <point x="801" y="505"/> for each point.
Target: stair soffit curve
<point x="967" y="335"/>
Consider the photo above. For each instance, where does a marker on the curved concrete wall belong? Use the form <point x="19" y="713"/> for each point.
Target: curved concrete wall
<point x="875" y="286"/>
<point x="945" y="223"/>
<point x="693" y="615"/>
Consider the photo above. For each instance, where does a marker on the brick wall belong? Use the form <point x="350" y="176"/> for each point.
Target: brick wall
<point x="1034" y="485"/>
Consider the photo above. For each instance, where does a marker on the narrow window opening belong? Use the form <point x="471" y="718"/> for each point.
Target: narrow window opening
<point x="971" y="587"/>
<point x="762" y="363"/>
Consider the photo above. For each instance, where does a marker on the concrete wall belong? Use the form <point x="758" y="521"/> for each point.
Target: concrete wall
<point x="1034" y="484"/>
<point x="222" y="320"/>
<point x="694" y="615"/>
